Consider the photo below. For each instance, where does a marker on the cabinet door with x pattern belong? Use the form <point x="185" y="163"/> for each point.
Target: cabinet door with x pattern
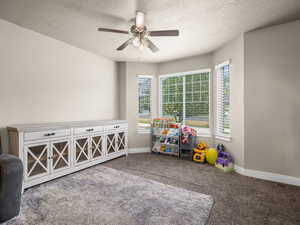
<point x="121" y="141"/>
<point x="60" y="155"/>
<point x="37" y="159"/>
<point x="81" y="145"/>
<point x="96" y="143"/>
<point x="111" y="143"/>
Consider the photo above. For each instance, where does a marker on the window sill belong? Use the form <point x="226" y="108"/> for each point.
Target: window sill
<point x="203" y="132"/>
<point x="204" y="135"/>
<point x="223" y="138"/>
<point x="142" y="131"/>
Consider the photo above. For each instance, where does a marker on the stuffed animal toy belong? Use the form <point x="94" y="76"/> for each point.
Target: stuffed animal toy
<point x="200" y="152"/>
<point x="187" y="132"/>
<point x="202" y="145"/>
<point x="220" y="148"/>
<point x="224" y="160"/>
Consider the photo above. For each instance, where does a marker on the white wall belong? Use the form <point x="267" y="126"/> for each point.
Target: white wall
<point x="127" y="74"/>
<point x="122" y="86"/>
<point x="45" y="80"/>
<point x="186" y="64"/>
<point x="234" y="51"/>
<point x="272" y="99"/>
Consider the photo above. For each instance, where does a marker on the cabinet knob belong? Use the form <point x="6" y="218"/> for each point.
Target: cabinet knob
<point x="89" y="130"/>
<point x="49" y="134"/>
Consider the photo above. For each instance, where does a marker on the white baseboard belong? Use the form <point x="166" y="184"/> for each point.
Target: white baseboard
<point x="268" y="176"/>
<point x="138" y="150"/>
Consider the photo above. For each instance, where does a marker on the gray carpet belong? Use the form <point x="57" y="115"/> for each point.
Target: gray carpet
<point x="101" y="195"/>
<point x="239" y="200"/>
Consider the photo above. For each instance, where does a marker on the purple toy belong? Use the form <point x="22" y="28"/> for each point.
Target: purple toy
<point x="224" y="158"/>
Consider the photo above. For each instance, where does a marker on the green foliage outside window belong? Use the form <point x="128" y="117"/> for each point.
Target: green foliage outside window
<point x="189" y="96"/>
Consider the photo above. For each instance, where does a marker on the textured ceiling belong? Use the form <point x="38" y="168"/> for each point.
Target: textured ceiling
<point x="204" y="25"/>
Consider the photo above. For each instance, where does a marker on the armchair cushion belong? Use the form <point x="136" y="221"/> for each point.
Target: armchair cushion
<point x="11" y="178"/>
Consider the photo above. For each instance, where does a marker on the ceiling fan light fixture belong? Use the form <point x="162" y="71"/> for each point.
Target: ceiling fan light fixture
<point x="141" y="47"/>
<point x="136" y="42"/>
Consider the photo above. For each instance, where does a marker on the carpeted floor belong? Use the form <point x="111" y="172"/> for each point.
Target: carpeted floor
<point x="105" y="196"/>
<point x="239" y="200"/>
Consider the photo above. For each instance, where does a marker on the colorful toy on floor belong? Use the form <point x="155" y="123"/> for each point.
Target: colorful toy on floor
<point x="168" y="150"/>
<point x="173" y="125"/>
<point x="200" y="152"/>
<point x="199" y="156"/>
<point x="165" y="132"/>
<point x="162" y="148"/>
<point x="187" y="132"/>
<point x="224" y="160"/>
<point x="202" y="145"/>
<point x="220" y="148"/>
<point x="164" y="123"/>
<point x="211" y="156"/>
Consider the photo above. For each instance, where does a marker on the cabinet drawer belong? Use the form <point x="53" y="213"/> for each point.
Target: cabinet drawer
<point x="29" y="136"/>
<point x="87" y="130"/>
<point x="116" y="127"/>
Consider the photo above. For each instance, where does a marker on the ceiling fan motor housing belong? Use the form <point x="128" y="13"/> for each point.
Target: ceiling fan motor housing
<point x="138" y="30"/>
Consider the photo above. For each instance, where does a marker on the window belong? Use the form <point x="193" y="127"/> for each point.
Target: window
<point x="223" y="101"/>
<point x="187" y="94"/>
<point x="144" y="103"/>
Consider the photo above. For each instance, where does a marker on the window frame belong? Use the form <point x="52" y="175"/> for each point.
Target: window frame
<point x="201" y="132"/>
<point x="139" y="129"/>
<point x="218" y="135"/>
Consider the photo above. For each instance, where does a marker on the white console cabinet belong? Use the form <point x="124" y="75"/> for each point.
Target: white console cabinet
<point x="50" y="150"/>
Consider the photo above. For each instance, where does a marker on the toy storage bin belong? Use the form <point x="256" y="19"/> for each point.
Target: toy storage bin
<point x="186" y="154"/>
<point x="186" y="149"/>
<point x="192" y="140"/>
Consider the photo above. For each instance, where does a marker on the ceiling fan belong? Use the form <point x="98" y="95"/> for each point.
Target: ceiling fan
<point x="140" y="34"/>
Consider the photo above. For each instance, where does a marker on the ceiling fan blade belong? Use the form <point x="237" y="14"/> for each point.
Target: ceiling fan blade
<point x="113" y="30"/>
<point x="164" y="33"/>
<point x="125" y="44"/>
<point x="140" y="19"/>
<point x="151" y="45"/>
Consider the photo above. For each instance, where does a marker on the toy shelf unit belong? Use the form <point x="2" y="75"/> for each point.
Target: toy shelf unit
<point x="165" y="137"/>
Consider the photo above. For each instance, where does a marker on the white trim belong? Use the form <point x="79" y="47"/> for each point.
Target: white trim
<point x="210" y="92"/>
<point x="144" y="76"/>
<point x="185" y="73"/>
<point x="143" y="131"/>
<point x="204" y="135"/>
<point x="227" y="62"/>
<point x="203" y="132"/>
<point x="138" y="150"/>
<point x="239" y="170"/>
<point x="218" y="134"/>
<point x="268" y="176"/>
<point x="223" y="138"/>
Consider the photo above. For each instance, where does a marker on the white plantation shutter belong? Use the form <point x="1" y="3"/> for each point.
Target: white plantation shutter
<point x="144" y="103"/>
<point x="223" y="101"/>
